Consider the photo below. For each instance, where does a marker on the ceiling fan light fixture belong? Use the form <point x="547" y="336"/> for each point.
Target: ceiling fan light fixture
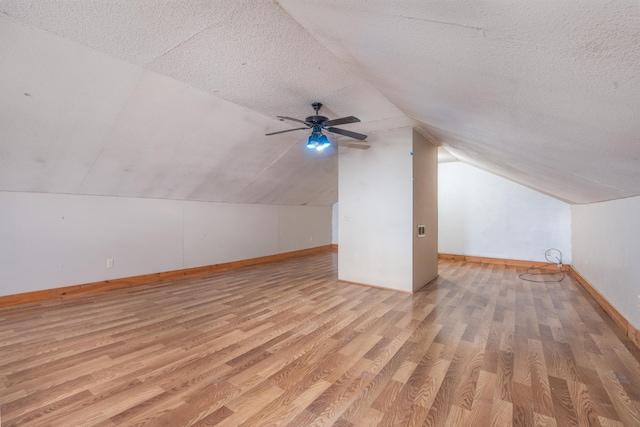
<point x="323" y="143"/>
<point x="317" y="141"/>
<point x="313" y="142"/>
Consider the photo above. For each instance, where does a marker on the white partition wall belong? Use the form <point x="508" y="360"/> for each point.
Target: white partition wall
<point x="376" y="216"/>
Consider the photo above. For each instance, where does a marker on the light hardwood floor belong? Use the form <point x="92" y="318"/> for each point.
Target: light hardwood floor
<point x="285" y="343"/>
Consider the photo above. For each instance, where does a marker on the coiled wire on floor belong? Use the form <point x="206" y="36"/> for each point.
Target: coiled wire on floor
<point x="550" y="273"/>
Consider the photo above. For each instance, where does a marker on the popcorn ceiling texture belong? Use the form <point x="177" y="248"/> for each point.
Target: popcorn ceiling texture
<point x="171" y="99"/>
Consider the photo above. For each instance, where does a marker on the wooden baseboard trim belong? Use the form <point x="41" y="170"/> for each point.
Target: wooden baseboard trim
<point x="499" y="261"/>
<point x="632" y="332"/>
<point x="105" y="285"/>
<point x="334" y="247"/>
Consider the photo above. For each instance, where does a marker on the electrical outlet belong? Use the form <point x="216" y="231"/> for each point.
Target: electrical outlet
<point x="110" y="263"/>
<point x="548" y="253"/>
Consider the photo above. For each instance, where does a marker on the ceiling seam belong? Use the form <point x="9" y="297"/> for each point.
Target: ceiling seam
<point x="111" y="127"/>
<point x="171" y="49"/>
<point x="441" y="22"/>
<point x="266" y="168"/>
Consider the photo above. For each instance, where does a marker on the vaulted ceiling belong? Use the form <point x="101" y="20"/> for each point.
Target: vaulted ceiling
<point x="171" y="99"/>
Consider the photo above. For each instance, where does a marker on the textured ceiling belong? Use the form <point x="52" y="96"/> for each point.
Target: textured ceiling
<point x="171" y="99"/>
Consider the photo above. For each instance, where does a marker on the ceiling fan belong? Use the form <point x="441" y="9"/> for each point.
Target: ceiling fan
<point x="318" y="140"/>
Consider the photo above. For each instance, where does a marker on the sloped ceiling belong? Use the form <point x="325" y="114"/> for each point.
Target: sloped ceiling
<point x="171" y="99"/>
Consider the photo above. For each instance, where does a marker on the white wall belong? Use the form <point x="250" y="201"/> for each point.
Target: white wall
<point x="481" y="214"/>
<point x="54" y="240"/>
<point x="375" y="195"/>
<point x="606" y="251"/>
<point x="425" y="210"/>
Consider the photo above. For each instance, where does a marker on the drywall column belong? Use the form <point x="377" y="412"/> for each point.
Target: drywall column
<point x="378" y="213"/>
<point x="425" y="210"/>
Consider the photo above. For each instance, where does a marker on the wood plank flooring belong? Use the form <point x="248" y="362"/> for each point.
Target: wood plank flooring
<point x="286" y="344"/>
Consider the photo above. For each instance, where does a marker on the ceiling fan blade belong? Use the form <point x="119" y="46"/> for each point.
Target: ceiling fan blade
<point x="283" y="131"/>
<point x="348" y="133"/>
<point x="342" y="121"/>
<point x="291" y="118"/>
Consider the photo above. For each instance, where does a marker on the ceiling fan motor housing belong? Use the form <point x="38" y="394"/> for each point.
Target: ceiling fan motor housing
<point x="316" y="120"/>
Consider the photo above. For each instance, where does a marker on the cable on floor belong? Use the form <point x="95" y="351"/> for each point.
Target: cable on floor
<point x="553" y="268"/>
